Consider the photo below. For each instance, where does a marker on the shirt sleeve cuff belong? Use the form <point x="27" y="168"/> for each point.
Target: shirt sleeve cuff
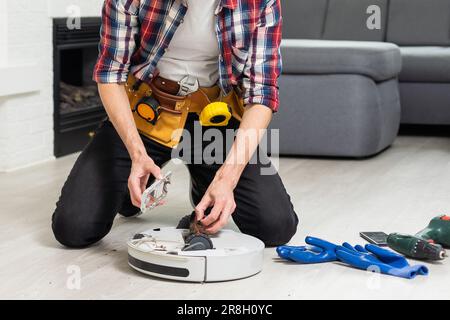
<point x="263" y="100"/>
<point x="110" y="77"/>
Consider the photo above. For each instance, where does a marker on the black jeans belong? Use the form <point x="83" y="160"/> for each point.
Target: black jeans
<point x="96" y="190"/>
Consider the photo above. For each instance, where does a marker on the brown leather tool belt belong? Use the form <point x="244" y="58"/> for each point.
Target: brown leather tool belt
<point x="174" y="109"/>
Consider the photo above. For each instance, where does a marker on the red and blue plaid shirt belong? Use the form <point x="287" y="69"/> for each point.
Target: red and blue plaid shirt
<point x="136" y="33"/>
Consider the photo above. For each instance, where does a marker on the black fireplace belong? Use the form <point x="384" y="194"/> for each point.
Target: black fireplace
<point x="78" y="108"/>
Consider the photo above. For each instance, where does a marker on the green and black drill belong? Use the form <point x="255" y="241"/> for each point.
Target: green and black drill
<point x="427" y="244"/>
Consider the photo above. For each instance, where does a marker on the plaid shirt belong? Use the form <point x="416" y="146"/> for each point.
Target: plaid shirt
<point x="136" y="33"/>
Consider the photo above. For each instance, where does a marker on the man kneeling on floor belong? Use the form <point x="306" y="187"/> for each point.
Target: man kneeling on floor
<point x="162" y="67"/>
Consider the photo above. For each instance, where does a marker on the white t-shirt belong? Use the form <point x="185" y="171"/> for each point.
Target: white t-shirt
<point x="193" y="49"/>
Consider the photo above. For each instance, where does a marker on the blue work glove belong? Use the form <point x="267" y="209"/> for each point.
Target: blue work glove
<point x="386" y="261"/>
<point x="318" y="251"/>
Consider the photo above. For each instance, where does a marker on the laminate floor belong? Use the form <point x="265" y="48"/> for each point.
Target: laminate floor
<point x="399" y="190"/>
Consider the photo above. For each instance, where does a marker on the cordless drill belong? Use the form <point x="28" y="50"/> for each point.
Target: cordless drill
<point x="427" y="244"/>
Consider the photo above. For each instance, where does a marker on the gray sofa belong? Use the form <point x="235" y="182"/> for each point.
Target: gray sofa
<point x="339" y="90"/>
<point x="422" y="30"/>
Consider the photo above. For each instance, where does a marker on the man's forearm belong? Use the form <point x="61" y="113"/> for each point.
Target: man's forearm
<point x="255" y="120"/>
<point x="115" y="100"/>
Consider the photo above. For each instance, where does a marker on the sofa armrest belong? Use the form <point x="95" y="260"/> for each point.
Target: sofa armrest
<point x="377" y="60"/>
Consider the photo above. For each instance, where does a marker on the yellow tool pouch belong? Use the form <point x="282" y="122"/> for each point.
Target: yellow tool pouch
<point x="236" y="103"/>
<point x="167" y="129"/>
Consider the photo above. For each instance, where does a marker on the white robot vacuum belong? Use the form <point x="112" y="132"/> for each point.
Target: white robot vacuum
<point x="177" y="254"/>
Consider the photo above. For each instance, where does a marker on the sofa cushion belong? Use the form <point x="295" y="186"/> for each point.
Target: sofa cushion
<point x="347" y="20"/>
<point x="303" y="19"/>
<point x="377" y="60"/>
<point x="419" y="22"/>
<point x="425" y="64"/>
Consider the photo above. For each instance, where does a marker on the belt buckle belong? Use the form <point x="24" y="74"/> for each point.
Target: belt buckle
<point x="188" y="85"/>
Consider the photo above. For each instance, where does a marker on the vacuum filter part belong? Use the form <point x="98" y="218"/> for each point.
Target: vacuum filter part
<point x="176" y="254"/>
<point x="154" y="195"/>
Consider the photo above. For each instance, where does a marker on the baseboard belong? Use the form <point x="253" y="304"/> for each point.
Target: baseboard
<point x="32" y="164"/>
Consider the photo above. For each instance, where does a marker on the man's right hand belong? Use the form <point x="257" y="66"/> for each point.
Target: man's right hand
<point x="141" y="169"/>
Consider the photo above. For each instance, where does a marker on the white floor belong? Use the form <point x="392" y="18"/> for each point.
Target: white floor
<point x="400" y="190"/>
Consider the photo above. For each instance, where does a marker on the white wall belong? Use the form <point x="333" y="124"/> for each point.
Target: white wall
<point x="3" y="33"/>
<point x="26" y="77"/>
<point x="63" y="8"/>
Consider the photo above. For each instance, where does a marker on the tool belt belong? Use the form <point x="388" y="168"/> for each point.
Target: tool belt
<point x="172" y="110"/>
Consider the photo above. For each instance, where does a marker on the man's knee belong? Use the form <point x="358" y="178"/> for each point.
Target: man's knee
<point x="76" y="234"/>
<point x="278" y="231"/>
<point x="128" y="209"/>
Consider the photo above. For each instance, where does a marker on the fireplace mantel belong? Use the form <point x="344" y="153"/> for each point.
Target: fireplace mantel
<point x="15" y="75"/>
